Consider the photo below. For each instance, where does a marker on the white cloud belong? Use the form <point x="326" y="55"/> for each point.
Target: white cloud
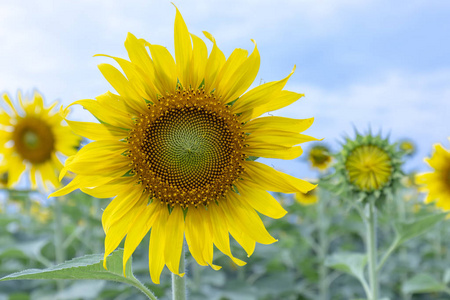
<point x="415" y="106"/>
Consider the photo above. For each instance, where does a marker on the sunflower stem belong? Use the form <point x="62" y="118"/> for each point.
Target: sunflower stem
<point x="371" y="245"/>
<point x="178" y="282"/>
<point x="58" y="237"/>
<point x="323" y="247"/>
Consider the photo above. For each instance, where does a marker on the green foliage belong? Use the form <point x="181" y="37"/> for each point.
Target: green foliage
<point x="350" y="263"/>
<point x="411" y="229"/>
<point x="424" y="283"/>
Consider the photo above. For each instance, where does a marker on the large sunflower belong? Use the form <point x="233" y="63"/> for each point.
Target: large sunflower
<point x="437" y="183"/>
<point x="176" y="147"/>
<point x="30" y="137"/>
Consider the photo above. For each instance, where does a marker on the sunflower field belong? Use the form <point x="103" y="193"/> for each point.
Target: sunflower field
<point x="166" y="186"/>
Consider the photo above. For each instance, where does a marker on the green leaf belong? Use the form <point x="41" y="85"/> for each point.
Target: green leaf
<point x="350" y="263"/>
<point x="422" y="283"/>
<point x="408" y="230"/>
<point x="86" y="267"/>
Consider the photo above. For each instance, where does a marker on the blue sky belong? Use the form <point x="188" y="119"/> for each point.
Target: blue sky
<point x="383" y="64"/>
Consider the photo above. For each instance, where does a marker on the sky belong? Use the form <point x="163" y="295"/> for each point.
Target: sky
<point x="361" y="64"/>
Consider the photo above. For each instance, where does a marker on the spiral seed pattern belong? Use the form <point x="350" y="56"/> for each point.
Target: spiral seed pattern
<point x="187" y="150"/>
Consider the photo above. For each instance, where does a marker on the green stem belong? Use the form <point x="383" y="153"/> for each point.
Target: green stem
<point x="59" y="251"/>
<point x="179" y="283"/>
<point x="58" y="238"/>
<point x="323" y="248"/>
<point x="371" y="244"/>
<point x="137" y="284"/>
<point x="386" y="255"/>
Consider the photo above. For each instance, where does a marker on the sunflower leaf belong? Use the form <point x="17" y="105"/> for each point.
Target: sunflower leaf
<point x="86" y="267"/>
<point x="423" y="283"/>
<point x="408" y="230"/>
<point x="350" y="263"/>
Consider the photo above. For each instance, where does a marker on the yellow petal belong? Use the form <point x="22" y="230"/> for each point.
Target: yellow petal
<point x="267" y="178"/>
<point x="183" y="49"/>
<point x="112" y="189"/>
<point x="80" y="181"/>
<point x="121" y="205"/>
<point x="157" y="244"/>
<point x="123" y="87"/>
<point x="96" y="131"/>
<point x="174" y="240"/>
<point x="272" y="151"/>
<point x="140" y="57"/>
<point x="280" y="100"/>
<point x="260" y="95"/>
<point x="9" y="102"/>
<point x="234" y="61"/>
<point x="198" y="62"/>
<point x="260" y="200"/>
<point x="276" y="137"/>
<point x="278" y="124"/>
<point x="165" y="67"/>
<point x="136" y="79"/>
<point x="120" y="228"/>
<point x="138" y="229"/>
<point x="238" y="76"/>
<point x="247" y="219"/>
<point x="16" y="169"/>
<point x="198" y="237"/>
<point x="214" y="64"/>
<point x="106" y="115"/>
<point x="220" y="232"/>
<point x="195" y="228"/>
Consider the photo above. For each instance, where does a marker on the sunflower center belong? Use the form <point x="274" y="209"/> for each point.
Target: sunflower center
<point x="187" y="149"/>
<point x="33" y="140"/>
<point x="369" y="167"/>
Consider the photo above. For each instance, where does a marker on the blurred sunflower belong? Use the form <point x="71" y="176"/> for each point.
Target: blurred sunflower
<point x="369" y="165"/>
<point x="174" y="147"/>
<point x="30" y="137"/>
<point x="319" y="156"/>
<point x="308" y="198"/>
<point x="437" y="183"/>
<point x="407" y="146"/>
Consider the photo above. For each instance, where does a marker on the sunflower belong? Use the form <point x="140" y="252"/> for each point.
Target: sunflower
<point x="437" y="183"/>
<point x="320" y="157"/>
<point x="407" y="146"/>
<point x="176" y="149"/>
<point x="30" y="138"/>
<point x="306" y="199"/>
<point x="369" y="165"/>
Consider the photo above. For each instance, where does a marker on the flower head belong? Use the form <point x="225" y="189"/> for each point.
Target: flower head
<point x="306" y="199"/>
<point x="437" y="182"/>
<point x="174" y="150"/>
<point x="31" y="136"/>
<point x="368" y="165"/>
<point x="320" y="157"/>
<point x="407" y="146"/>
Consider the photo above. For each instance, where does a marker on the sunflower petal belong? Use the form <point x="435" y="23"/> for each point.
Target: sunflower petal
<point x="157" y="244"/>
<point x="183" y="49"/>
<point x="269" y="179"/>
<point x="174" y="240"/>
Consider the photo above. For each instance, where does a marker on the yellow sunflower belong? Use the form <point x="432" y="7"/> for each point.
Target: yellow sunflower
<point x="176" y="149"/>
<point x="306" y="199"/>
<point x="30" y="138"/>
<point x="319" y="157"/>
<point x="368" y="165"/>
<point x="437" y="183"/>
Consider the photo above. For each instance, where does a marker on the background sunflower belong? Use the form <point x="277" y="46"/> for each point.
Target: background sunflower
<point x="31" y="136"/>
